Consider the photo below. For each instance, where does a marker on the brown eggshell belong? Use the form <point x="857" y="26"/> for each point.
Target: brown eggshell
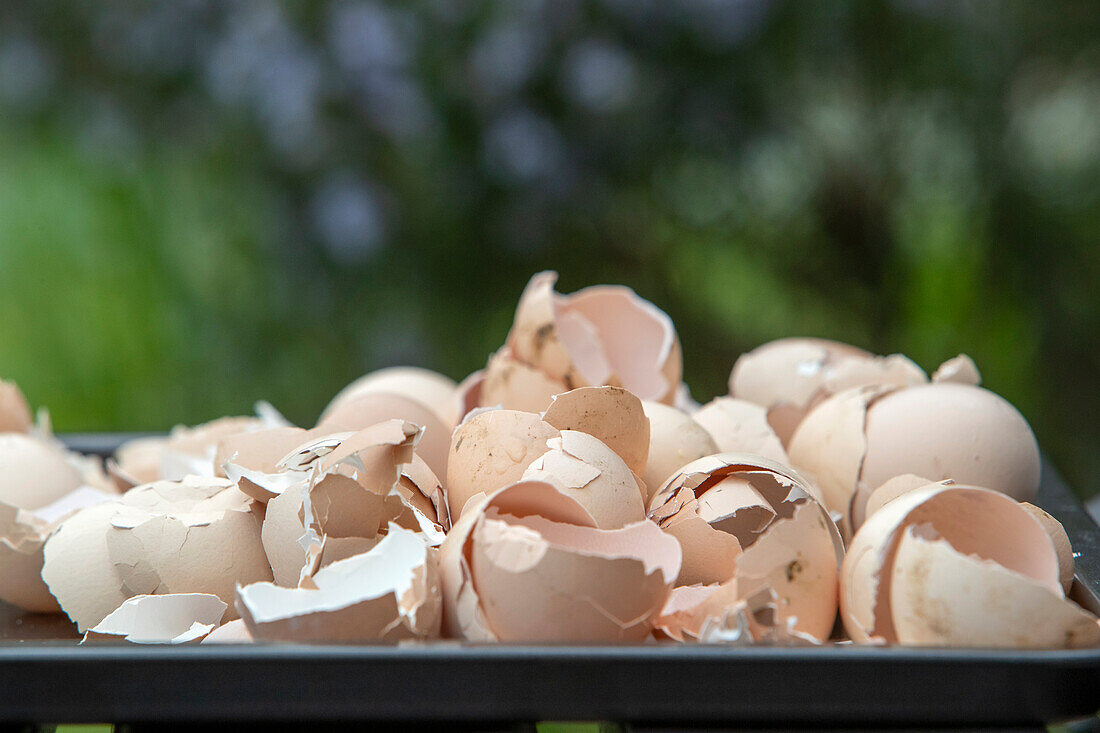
<point x="467" y="395"/>
<point x="789" y="376"/>
<point x="611" y="414"/>
<point x="603" y="334"/>
<point x="282" y="527"/>
<point x="592" y="474"/>
<point x="542" y="581"/>
<point x="1062" y="547"/>
<point x="942" y="597"/>
<point x="15" y="413"/>
<point x="425" y="492"/>
<point x="889" y="491"/>
<point x="191" y="451"/>
<point x="374" y="407"/>
<point x="492" y="450"/>
<point x="178" y="618"/>
<point x="740" y="426"/>
<point x="33" y="472"/>
<point x="516" y="386"/>
<point x="429" y="388"/>
<point x="233" y="632"/>
<point x="385" y="595"/>
<point x="675" y="440"/>
<point x="690" y="608"/>
<point x="136" y="462"/>
<point x="974" y="520"/>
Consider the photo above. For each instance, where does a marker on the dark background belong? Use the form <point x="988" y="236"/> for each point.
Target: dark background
<point x="208" y="202"/>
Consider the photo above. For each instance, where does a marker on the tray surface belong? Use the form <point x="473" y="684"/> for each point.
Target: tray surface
<point x="45" y="676"/>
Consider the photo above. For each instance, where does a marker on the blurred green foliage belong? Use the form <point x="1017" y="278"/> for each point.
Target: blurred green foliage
<point x="208" y="202"/>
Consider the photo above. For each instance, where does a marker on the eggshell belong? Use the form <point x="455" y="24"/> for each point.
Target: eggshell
<point x="179" y="618"/>
<point x="492" y="450"/>
<point x="425" y="492"/>
<point x="517" y="386"/>
<point x="197" y="544"/>
<point x="233" y="632"/>
<point x="192" y="450"/>
<point x="592" y="474"/>
<point x="15" y="413"/>
<point x="942" y="597"/>
<point x="429" y="388"/>
<point x="889" y="491"/>
<point x="944" y="430"/>
<point x="600" y="335"/>
<point x="77" y="567"/>
<point x="1062" y="547"/>
<point x="740" y="426"/>
<point x="375" y="407"/>
<point x="611" y="414"/>
<point x="467" y="395"/>
<point x="136" y="462"/>
<point x="384" y="595"/>
<point x="33" y="472"/>
<point x="974" y="520"/>
<point x="690" y="608"/>
<point x="960" y="369"/>
<point x="744" y="517"/>
<point x="544" y="581"/>
<point x="790" y="376"/>
<point x="675" y="440"/>
<point x="283" y="526"/>
<point x="23" y="535"/>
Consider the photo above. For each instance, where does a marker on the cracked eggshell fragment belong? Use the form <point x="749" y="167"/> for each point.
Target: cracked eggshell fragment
<point x="372" y="408"/>
<point x="283" y="526"/>
<point x="1062" y="547"/>
<point x="77" y="566"/>
<point x="23" y="535"/>
<point x="384" y="595"/>
<point x="611" y="414"/>
<point x="1010" y="551"/>
<point x="675" y="440"/>
<point x="886" y="493"/>
<point x="34" y="472"/>
<point x="252" y="460"/>
<point x="491" y="450"/>
<point x="15" y="413"/>
<point x="233" y="632"/>
<point x="744" y="517"/>
<point x="943" y="597"/>
<point x="517" y="386"/>
<point x="178" y="618"/>
<point x="960" y="369"/>
<point x="939" y="431"/>
<point x="431" y="389"/>
<point x="603" y="334"/>
<point x="593" y="475"/>
<point x="740" y="426"/>
<point x="788" y="377"/>
<point x="528" y="564"/>
<point x="192" y="450"/>
<point x="199" y="543"/>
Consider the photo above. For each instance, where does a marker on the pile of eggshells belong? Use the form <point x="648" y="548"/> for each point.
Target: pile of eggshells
<point x="571" y="491"/>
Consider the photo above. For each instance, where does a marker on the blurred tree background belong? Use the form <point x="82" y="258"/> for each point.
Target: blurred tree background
<point x="208" y="202"/>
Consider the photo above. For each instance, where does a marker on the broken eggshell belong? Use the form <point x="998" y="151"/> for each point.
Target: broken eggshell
<point x="1062" y="547"/>
<point x="178" y="618"/>
<point x="233" y="632"/>
<point x="868" y="435"/>
<point x="745" y="518"/>
<point x="962" y="566"/>
<point x="384" y="595"/>
<point x="528" y="564"/>
<point x="600" y="335"/>
<point x="517" y="386"/>
<point x="15" y="413"/>
<point x="429" y="388"/>
<point x="675" y="440"/>
<point x="34" y="472"/>
<point x="612" y="414"/>
<point x="740" y="426"/>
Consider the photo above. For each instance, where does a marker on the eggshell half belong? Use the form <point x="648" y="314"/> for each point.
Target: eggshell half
<point x="1062" y="547"/>
<point x="384" y="595"/>
<point x="15" y="413"/>
<point x="180" y="618"/>
<point x="942" y="597"/>
<point x="422" y="385"/>
<point x="611" y="414"/>
<point x="675" y="440"/>
<point x="740" y="426"/>
<point x="492" y="450"/>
